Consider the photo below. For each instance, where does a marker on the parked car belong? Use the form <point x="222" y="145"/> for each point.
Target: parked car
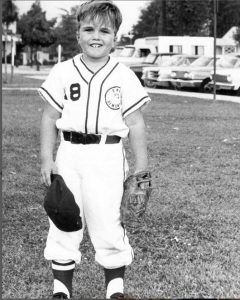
<point x="227" y="78"/>
<point x="117" y="51"/>
<point x="153" y="59"/>
<point x="196" y="75"/>
<point x="135" y="53"/>
<point x="150" y="74"/>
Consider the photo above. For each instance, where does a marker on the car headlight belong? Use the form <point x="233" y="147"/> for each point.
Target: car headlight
<point x="229" y="78"/>
<point x="173" y="74"/>
<point x="188" y="75"/>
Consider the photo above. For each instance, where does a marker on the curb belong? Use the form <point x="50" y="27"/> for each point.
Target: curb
<point x="204" y="96"/>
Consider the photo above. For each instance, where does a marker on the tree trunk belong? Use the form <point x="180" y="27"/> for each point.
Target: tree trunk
<point x="36" y="60"/>
<point x="31" y="54"/>
<point x="5" y="54"/>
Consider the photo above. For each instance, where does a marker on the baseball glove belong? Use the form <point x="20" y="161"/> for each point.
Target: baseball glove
<point x="137" y="190"/>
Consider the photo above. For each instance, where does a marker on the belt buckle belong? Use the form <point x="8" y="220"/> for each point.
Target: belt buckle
<point x="70" y="137"/>
<point x="84" y="138"/>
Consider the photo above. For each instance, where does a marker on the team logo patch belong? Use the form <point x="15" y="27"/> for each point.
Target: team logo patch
<point x="113" y="97"/>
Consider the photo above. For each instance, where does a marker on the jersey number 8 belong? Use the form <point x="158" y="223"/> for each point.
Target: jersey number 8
<point x="75" y="91"/>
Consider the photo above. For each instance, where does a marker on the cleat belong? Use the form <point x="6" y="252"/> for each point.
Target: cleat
<point x="117" y="296"/>
<point x="59" y="296"/>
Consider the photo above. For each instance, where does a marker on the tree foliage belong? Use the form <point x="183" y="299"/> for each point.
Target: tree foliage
<point x="35" y="29"/>
<point x="9" y="12"/>
<point x="186" y="17"/>
<point x="66" y="33"/>
<point x="173" y="17"/>
<point x="9" y="15"/>
<point x="228" y="15"/>
<point x="237" y="35"/>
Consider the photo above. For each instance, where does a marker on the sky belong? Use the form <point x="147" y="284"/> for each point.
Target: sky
<point x="130" y="10"/>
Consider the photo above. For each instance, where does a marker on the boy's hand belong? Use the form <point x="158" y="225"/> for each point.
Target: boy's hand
<point x="47" y="167"/>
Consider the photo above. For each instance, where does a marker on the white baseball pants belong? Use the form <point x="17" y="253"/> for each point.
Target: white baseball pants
<point x="94" y="173"/>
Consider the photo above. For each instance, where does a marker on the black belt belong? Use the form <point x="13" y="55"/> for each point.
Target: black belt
<point x="84" y="138"/>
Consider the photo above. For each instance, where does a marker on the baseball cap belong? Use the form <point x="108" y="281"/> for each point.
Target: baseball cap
<point x="60" y="206"/>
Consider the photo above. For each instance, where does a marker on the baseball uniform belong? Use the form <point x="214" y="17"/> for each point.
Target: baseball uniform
<point x="93" y="103"/>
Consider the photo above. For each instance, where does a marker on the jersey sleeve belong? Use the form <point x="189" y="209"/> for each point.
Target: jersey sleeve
<point x="52" y="89"/>
<point x="134" y="96"/>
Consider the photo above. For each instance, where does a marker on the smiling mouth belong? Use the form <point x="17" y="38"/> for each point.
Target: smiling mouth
<point x="95" y="45"/>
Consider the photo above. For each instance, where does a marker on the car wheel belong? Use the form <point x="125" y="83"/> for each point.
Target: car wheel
<point x="150" y="84"/>
<point x="204" y="86"/>
<point x="176" y="87"/>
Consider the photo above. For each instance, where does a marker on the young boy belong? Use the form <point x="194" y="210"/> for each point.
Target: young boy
<point x="94" y="102"/>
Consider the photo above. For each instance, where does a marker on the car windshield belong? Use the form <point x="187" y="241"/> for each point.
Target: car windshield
<point x="127" y="52"/>
<point x="163" y="60"/>
<point x="150" y="58"/>
<point x="175" y="60"/>
<point x="227" y="62"/>
<point x="201" y="61"/>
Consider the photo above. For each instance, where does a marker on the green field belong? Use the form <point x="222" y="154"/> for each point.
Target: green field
<point x="190" y="246"/>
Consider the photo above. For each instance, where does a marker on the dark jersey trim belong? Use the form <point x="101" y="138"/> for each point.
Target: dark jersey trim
<point x="79" y="72"/>
<point x="89" y="85"/>
<point x="100" y="95"/>
<point x="86" y="66"/>
<point x="50" y="97"/>
<point x="134" y="105"/>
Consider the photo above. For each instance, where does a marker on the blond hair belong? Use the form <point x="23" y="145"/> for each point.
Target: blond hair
<point x="103" y="9"/>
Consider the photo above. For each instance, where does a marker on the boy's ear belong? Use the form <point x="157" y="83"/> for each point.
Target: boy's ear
<point x="114" y="44"/>
<point x="77" y="35"/>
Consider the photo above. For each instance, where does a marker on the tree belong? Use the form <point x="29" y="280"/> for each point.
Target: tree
<point x="173" y="17"/>
<point x="187" y="17"/>
<point x="9" y="15"/>
<point x="36" y="30"/>
<point x="237" y="35"/>
<point x="66" y="33"/>
<point x="9" y="12"/>
<point x="148" y="23"/>
<point x="228" y="15"/>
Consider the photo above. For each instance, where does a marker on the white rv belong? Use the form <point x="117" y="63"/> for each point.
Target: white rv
<point x="136" y="53"/>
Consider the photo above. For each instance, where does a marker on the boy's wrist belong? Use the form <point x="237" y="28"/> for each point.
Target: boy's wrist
<point x="140" y="169"/>
<point x="46" y="158"/>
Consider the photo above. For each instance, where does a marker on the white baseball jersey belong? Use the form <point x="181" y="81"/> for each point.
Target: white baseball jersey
<point x="93" y="102"/>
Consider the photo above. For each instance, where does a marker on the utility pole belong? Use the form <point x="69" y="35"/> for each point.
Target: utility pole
<point x="215" y="10"/>
<point x="12" y="57"/>
<point x="59" y="53"/>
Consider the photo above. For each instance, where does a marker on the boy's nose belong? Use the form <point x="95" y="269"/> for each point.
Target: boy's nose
<point x="96" y="34"/>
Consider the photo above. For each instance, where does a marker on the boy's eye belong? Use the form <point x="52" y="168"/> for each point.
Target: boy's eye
<point x="105" y="30"/>
<point x="88" y="29"/>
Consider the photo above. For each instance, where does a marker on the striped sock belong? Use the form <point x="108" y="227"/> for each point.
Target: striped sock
<point x="63" y="275"/>
<point x="114" y="280"/>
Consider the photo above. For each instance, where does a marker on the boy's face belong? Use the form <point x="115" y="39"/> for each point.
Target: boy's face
<point x="96" y="38"/>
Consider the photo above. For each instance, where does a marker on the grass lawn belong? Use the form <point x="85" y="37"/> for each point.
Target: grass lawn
<point x="190" y="246"/>
<point x="20" y="80"/>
